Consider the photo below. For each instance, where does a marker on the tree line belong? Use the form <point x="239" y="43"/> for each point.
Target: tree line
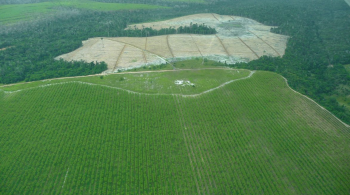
<point x="191" y="29"/>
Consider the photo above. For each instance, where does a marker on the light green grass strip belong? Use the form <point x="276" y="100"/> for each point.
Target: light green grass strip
<point x="151" y="82"/>
<point x="18" y="12"/>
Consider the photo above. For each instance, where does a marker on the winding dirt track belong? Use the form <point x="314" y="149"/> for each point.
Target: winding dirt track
<point x="141" y="93"/>
<point x="102" y="74"/>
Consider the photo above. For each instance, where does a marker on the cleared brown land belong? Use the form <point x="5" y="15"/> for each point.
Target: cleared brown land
<point x="238" y="39"/>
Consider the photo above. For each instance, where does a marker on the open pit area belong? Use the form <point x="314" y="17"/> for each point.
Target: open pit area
<point x="238" y="39"/>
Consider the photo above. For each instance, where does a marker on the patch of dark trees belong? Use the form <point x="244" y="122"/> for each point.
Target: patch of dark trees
<point x="191" y="29"/>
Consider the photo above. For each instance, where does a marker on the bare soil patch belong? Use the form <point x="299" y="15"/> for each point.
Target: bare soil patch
<point x="238" y="40"/>
<point x="3" y="49"/>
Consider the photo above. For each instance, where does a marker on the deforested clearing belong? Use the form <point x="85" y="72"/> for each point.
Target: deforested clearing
<point x="238" y="39"/>
<point x="251" y="136"/>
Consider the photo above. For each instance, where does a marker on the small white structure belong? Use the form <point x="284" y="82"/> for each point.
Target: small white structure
<point x="179" y="82"/>
<point x="183" y="83"/>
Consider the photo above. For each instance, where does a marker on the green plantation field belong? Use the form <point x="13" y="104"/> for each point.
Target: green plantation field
<point x="251" y="136"/>
<point x="17" y="12"/>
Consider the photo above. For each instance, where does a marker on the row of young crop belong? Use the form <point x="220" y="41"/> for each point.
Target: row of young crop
<point x="206" y="130"/>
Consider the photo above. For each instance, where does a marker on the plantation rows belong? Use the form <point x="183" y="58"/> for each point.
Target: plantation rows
<point x="266" y="146"/>
<point x="105" y="147"/>
<point x="250" y="137"/>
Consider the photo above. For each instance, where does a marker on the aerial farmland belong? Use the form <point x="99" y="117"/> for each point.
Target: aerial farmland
<point x="174" y="97"/>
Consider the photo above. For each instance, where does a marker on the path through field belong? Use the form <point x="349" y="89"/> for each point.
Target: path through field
<point x="102" y="74"/>
<point x="135" y="92"/>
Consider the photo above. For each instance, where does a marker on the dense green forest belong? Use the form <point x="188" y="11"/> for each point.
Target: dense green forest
<point x="318" y="47"/>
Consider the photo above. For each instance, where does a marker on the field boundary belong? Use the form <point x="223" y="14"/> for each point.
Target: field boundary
<point x="119" y="56"/>
<point x="196" y="45"/>
<point x="171" y="51"/>
<point x="249" y="47"/>
<point x="286" y="80"/>
<point x="162" y="57"/>
<point x="266" y="43"/>
<point x="222" y="44"/>
<point x="215" y="17"/>
<point x="143" y="52"/>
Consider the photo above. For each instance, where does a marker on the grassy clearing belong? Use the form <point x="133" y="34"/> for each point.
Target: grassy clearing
<point x="250" y="136"/>
<point x="153" y="82"/>
<point x="344" y="100"/>
<point x="18" y="12"/>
